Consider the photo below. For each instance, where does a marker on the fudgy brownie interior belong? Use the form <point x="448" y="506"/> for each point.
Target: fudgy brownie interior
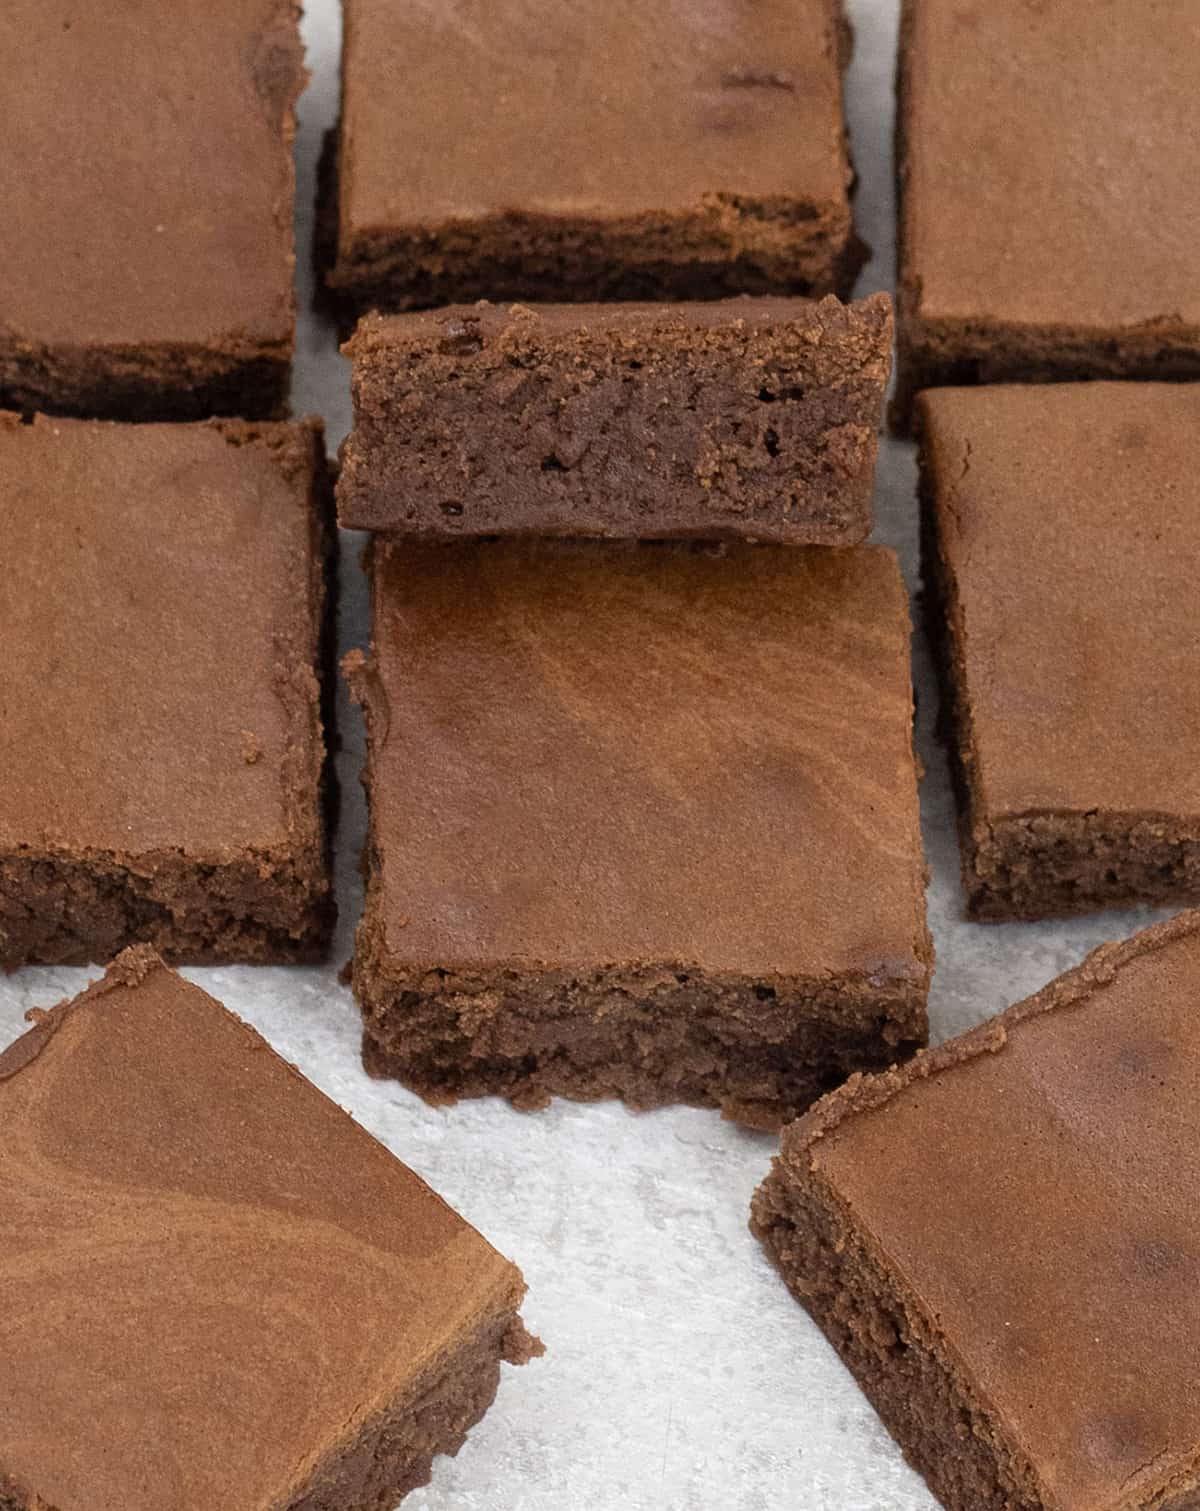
<point x="751" y="418"/>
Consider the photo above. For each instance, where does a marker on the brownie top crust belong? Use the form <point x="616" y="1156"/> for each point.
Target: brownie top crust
<point x="1034" y="1184"/>
<point x="1048" y="178"/>
<point x="1069" y="530"/>
<point x="159" y="613"/>
<point x="587" y="756"/>
<point x="597" y="108"/>
<point x="455" y="330"/>
<point x="146" y="176"/>
<point x="221" y="1276"/>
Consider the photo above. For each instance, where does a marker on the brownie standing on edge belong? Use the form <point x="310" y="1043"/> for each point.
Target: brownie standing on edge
<point x="163" y="616"/>
<point x="1062" y="547"/>
<point x="1049" y="192"/>
<point x="606" y="149"/>
<point x="215" y="1288"/>
<point x="1002" y="1239"/>
<point x="147" y="190"/>
<point x="643" y="823"/>
<point x="748" y="418"/>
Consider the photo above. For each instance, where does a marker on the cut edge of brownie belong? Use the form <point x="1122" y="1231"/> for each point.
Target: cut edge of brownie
<point x="648" y="1033"/>
<point x="807" y="389"/>
<point x="1043" y="863"/>
<point x="651" y="1036"/>
<point x="878" y="1326"/>
<point x="64" y="906"/>
<point x="156" y="382"/>
<point x="392" y="1451"/>
<point x="941" y="353"/>
<point x="734" y="244"/>
<point x="880" y="1332"/>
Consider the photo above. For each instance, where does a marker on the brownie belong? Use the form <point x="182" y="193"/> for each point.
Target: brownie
<point x="147" y="186"/>
<point x="1000" y="1239"/>
<point x="163" y="613"/>
<point x="643" y="823"/>
<point x="588" y="151"/>
<point x="1049" y="192"/>
<point x="1062" y="546"/>
<point x="742" y="418"/>
<point x="230" y="1294"/>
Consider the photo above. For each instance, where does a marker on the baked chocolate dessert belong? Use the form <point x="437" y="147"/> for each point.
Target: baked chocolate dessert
<point x="1001" y="1240"/>
<point x="164" y="618"/>
<point x="147" y="188"/>
<point x="597" y="150"/>
<point x="1062" y="549"/>
<point x="217" y="1289"/>
<point x="1049" y="193"/>
<point x="643" y="823"/>
<point x="754" y="418"/>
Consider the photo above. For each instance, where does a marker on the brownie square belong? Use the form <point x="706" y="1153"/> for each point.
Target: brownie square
<point x="588" y="151"/>
<point x="643" y="823"/>
<point x="218" y="1289"/>
<point x="749" y="417"/>
<point x="1049" y="192"/>
<point x="163" y="616"/>
<point x="147" y="186"/>
<point x="1000" y="1239"/>
<point x="1062" y="547"/>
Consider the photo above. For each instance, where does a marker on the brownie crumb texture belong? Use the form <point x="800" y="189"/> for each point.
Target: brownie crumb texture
<point x="758" y="1051"/>
<point x="754" y="418"/>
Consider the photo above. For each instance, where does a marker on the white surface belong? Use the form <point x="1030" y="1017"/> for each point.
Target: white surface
<point x="678" y="1373"/>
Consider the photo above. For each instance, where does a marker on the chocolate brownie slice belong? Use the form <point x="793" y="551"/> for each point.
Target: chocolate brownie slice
<point x="598" y="150"/>
<point x="1049" y="195"/>
<point x="1001" y="1239"/>
<point x="1063" y="551"/>
<point x="742" y="418"/>
<point x="643" y="823"/>
<point x="164" y="618"/>
<point x="215" y="1288"/>
<point x="147" y="191"/>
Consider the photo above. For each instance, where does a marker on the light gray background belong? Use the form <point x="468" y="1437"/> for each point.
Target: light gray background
<point x="678" y="1373"/>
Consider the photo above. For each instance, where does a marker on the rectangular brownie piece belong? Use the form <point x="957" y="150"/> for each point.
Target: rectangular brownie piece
<point x="1062" y="547"/>
<point x="1002" y="1240"/>
<point x="163" y="613"/>
<point x="643" y="823"/>
<point x="588" y="151"/>
<point x="746" y="417"/>
<point x="147" y="190"/>
<point x="1049" y="196"/>
<point x="229" y="1293"/>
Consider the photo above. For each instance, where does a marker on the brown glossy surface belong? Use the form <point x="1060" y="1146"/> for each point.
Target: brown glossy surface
<point x="1069" y="532"/>
<point x="159" y="613"/>
<point x="1032" y="1184"/>
<point x="146" y="177"/>
<point x="1050" y="181"/>
<point x="603" y="107"/>
<point x="211" y="1278"/>
<point x="598" y="755"/>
